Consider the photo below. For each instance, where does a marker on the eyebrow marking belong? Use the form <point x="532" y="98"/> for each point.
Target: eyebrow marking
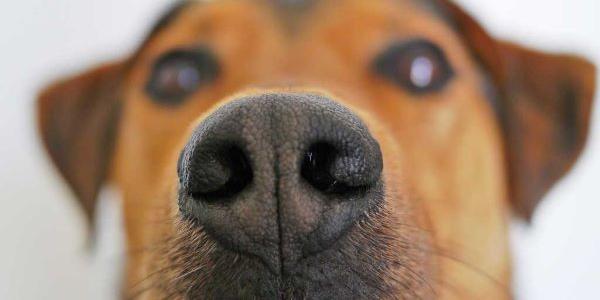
<point x="167" y="18"/>
<point x="437" y="8"/>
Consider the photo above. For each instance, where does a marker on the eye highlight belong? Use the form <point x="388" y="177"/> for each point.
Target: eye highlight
<point x="418" y="66"/>
<point x="179" y="73"/>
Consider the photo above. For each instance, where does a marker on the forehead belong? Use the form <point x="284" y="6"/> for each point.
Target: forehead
<point x="315" y="43"/>
<point x="290" y="33"/>
<point x="293" y="15"/>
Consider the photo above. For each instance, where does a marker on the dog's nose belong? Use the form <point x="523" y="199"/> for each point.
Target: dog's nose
<point x="280" y="176"/>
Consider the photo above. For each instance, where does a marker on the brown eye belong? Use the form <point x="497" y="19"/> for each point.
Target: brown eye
<point x="180" y="73"/>
<point x="418" y="66"/>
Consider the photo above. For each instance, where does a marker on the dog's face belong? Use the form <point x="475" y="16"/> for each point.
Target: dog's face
<point x="320" y="149"/>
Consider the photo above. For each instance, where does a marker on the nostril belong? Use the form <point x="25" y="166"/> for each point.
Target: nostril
<point x="318" y="169"/>
<point x="219" y="175"/>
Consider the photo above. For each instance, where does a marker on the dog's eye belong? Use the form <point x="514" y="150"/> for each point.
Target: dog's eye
<point x="180" y="73"/>
<point x="418" y="66"/>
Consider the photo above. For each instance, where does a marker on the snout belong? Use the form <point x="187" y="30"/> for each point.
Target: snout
<point x="280" y="177"/>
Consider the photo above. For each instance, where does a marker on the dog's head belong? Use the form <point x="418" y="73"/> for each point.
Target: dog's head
<point x="320" y="149"/>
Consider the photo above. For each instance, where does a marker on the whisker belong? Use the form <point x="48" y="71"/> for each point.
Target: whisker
<point x="495" y="282"/>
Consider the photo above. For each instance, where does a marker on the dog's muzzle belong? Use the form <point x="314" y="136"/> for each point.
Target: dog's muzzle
<point x="279" y="177"/>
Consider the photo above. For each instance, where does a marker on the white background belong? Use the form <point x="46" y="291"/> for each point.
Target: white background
<point x="41" y="234"/>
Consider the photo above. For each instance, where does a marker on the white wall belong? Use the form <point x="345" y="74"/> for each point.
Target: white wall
<point x="41" y="253"/>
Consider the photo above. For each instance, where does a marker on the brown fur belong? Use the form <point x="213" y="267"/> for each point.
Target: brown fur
<point x="507" y="127"/>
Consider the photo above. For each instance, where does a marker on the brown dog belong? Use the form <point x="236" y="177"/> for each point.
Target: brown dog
<point x="320" y="149"/>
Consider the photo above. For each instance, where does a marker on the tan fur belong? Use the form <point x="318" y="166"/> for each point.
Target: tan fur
<point x="444" y="154"/>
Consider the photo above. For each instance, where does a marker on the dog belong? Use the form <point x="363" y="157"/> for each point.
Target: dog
<point x="319" y="149"/>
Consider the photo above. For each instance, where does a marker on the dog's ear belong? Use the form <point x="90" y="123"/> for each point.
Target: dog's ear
<point x="544" y="107"/>
<point x="548" y="103"/>
<point x="78" y="120"/>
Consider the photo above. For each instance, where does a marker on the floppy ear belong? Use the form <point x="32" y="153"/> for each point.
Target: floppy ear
<point x="544" y="108"/>
<point x="78" y="120"/>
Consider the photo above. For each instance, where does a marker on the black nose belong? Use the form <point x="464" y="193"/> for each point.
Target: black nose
<point x="280" y="176"/>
